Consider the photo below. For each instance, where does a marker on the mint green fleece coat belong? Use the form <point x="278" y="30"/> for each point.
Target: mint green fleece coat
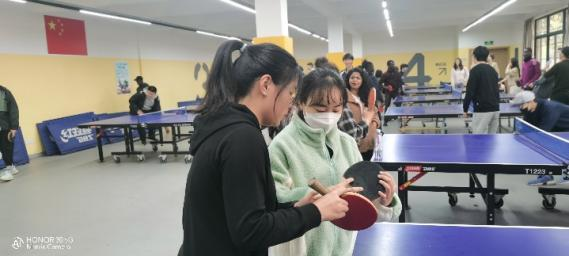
<point x="298" y="153"/>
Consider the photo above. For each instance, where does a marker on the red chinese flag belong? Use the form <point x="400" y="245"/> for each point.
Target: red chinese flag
<point x="65" y="36"/>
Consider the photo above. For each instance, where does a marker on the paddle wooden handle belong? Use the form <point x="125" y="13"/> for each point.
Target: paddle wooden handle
<point x="318" y="187"/>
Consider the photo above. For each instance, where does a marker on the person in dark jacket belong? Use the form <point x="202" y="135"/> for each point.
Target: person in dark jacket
<point x="369" y="68"/>
<point x="392" y="83"/>
<point x="141" y="84"/>
<point x="560" y="74"/>
<point x="145" y="102"/>
<point x="483" y="91"/>
<point x="9" y="124"/>
<point x="548" y="115"/>
<point x="231" y="206"/>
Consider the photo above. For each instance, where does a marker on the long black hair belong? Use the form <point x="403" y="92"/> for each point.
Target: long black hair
<point x="459" y="66"/>
<point x="368" y="67"/>
<point x="365" y="88"/>
<point x="515" y="64"/>
<point x="318" y="85"/>
<point x="231" y="80"/>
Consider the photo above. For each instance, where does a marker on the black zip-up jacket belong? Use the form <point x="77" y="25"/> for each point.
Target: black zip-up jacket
<point x="231" y="204"/>
<point x="482" y="89"/>
<point x="136" y="103"/>
<point x="9" y="119"/>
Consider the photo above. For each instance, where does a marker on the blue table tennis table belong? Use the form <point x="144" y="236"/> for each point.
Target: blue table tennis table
<point x="440" y="112"/>
<point x="528" y="151"/>
<point x="404" y="239"/>
<point x="175" y="119"/>
<point x="446" y="89"/>
<point x="455" y="96"/>
<point x="426" y="86"/>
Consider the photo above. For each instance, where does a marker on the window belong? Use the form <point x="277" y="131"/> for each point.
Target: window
<point x="549" y="34"/>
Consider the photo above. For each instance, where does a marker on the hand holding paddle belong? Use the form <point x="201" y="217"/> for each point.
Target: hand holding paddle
<point x="371" y="112"/>
<point x="361" y="213"/>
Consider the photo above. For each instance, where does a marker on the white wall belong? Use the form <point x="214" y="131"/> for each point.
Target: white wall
<point x="503" y="34"/>
<point x="411" y="41"/>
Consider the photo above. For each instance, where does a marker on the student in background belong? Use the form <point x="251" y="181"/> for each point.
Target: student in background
<point x="560" y="74"/>
<point x="482" y="91"/>
<point x="404" y="68"/>
<point x="9" y="124"/>
<point x="348" y="60"/>
<point x="369" y="68"/>
<point x="494" y="64"/>
<point x="531" y="70"/>
<point x="145" y="102"/>
<point x="141" y="84"/>
<point x="309" y="67"/>
<point x="378" y="75"/>
<point x="459" y="76"/>
<point x="512" y="77"/>
<point x="359" y="118"/>
<point x="230" y="205"/>
<point x="548" y="115"/>
<point x="320" y="62"/>
<point x="392" y="83"/>
<point x="306" y="148"/>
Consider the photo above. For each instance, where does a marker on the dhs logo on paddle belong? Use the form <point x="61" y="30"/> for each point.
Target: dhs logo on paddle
<point x="81" y="134"/>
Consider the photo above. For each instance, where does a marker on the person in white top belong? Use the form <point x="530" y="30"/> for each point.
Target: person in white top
<point x="493" y="63"/>
<point x="512" y="77"/>
<point x="459" y="74"/>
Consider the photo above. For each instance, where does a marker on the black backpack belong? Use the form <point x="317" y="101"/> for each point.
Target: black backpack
<point x="543" y="87"/>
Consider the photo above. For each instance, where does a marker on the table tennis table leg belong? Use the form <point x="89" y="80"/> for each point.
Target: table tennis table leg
<point x="100" y="144"/>
<point x="490" y="199"/>
<point x="472" y="184"/>
<point x="131" y="140"/>
<point x="402" y="179"/>
<point x="126" y="140"/>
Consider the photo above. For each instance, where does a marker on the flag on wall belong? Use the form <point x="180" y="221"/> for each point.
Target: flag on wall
<point x="65" y="36"/>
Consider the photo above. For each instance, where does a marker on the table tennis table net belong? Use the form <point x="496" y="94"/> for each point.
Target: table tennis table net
<point x="549" y="142"/>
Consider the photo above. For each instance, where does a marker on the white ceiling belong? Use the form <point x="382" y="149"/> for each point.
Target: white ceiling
<point x="359" y="16"/>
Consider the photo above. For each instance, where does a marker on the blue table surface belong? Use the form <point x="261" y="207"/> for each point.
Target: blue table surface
<point x="406" y="239"/>
<point x="154" y="118"/>
<point x="501" y="149"/>
<point x="455" y="109"/>
<point x="428" y="91"/>
<point x="453" y="96"/>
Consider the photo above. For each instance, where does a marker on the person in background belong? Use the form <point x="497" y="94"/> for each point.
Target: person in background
<point x="548" y="115"/>
<point x="512" y="77"/>
<point x="369" y="68"/>
<point x="378" y="75"/>
<point x="494" y="64"/>
<point x="560" y="74"/>
<point x="359" y="118"/>
<point x="404" y="68"/>
<point x="145" y="102"/>
<point x="531" y="70"/>
<point x="231" y="205"/>
<point x="141" y="84"/>
<point x="9" y="124"/>
<point x="306" y="148"/>
<point x="459" y="76"/>
<point x="320" y="62"/>
<point x="392" y="83"/>
<point x="482" y="90"/>
<point x="348" y="60"/>
<point x="309" y="67"/>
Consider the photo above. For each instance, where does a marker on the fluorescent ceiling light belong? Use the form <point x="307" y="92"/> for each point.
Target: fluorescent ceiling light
<point x="390" y="28"/>
<point x="216" y="35"/>
<point x="19" y="1"/>
<point x="386" y="14"/>
<point x="114" y="17"/>
<point x="316" y="36"/>
<point x="240" y="6"/>
<point x="299" y="29"/>
<point x="487" y="15"/>
<point x="384" y="4"/>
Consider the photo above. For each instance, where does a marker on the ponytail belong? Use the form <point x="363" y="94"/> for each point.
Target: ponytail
<point x="231" y="80"/>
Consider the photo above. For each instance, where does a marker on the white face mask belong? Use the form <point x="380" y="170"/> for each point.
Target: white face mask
<point x="326" y="120"/>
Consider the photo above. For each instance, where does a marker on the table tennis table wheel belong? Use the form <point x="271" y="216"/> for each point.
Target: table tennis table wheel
<point x="117" y="159"/>
<point x="549" y="202"/>
<point x="163" y="158"/>
<point x="452" y="199"/>
<point x="188" y="159"/>
<point x="499" y="203"/>
<point x="154" y="148"/>
<point x="140" y="157"/>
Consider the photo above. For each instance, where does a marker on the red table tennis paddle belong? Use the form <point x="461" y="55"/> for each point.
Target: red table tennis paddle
<point x="371" y="98"/>
<point x="361" y="213"/>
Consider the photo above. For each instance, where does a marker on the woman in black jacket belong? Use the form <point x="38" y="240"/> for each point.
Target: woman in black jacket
<point x="230" y="207"/>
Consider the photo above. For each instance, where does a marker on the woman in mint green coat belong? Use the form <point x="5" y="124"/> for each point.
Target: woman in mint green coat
<point x="312" y="146"/>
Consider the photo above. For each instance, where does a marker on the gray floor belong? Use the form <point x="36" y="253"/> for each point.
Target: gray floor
<point x="135" y="208"/>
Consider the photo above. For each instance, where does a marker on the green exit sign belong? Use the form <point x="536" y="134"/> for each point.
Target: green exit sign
<point x="488" y="43"/>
